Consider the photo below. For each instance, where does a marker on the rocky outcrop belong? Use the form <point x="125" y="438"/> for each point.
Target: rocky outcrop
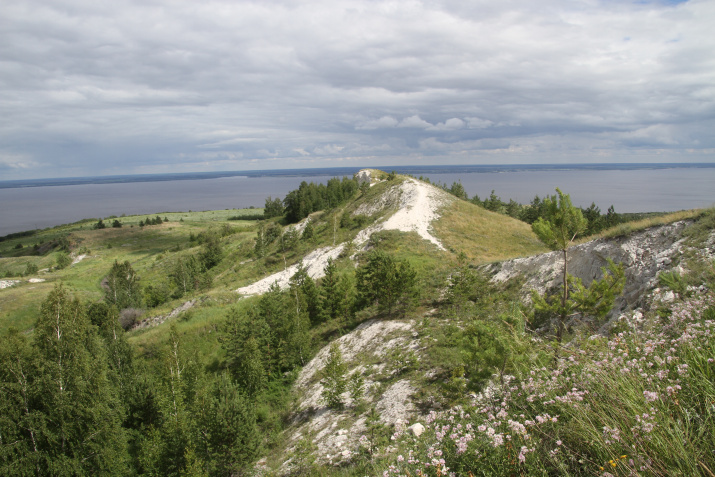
<point x="365" y="350"/>
<point x="643" y="254"/>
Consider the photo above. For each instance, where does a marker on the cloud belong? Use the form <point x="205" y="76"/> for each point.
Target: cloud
<point x="10" y="162"/>
<point x="414" y="122"/>
<point x="449" y="125"/>
<point x="382" y="123"/>
<point x="91" y="87"/>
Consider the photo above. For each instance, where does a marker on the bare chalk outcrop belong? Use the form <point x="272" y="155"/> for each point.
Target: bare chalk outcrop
<point x="644" y="255"/>
<point x="336" y="433"/>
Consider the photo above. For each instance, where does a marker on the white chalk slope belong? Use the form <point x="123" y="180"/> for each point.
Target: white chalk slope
<point x="419" y="206"/>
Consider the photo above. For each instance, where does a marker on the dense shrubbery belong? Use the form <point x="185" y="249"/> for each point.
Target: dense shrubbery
<point x="155" y="221"/>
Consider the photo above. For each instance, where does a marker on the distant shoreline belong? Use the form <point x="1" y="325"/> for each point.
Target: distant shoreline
<point x="343" y="171"/>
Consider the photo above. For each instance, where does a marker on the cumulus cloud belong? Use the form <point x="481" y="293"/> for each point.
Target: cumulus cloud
<point x="415" y="122"/>
<point x="90" y="87"/>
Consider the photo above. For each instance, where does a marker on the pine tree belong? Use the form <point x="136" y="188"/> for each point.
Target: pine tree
<point x="337" y="293"/>
<point x="334" y="380"/>
<point x="304" y="287"/>
<point x="231" y="436"/>
<point x="559" y="225"/>
<point x="557" y="229"/>
<point x="329" y="290"/>
<point x="211" y="252"/>
<point x="386" y="281"/>
<point x="247" y="341"/>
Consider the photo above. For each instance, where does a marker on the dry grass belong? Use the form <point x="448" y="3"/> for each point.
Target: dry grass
<point x="621" y="230"/>
<point x="484" y="236"/>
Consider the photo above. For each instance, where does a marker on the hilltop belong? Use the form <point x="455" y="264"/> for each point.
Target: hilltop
<point x="418" y="301"/>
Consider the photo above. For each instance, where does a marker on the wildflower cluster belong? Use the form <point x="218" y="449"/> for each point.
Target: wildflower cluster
<point x="620" y="401"/>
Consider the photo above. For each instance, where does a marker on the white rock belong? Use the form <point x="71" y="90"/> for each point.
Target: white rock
<point x="416" y="429"/>
<point x="668" y="296"/>
<point x="8" y="283"/>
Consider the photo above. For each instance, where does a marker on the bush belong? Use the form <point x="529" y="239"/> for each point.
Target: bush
<point x="155" y="295"/>
<point x="129" y="317"/>
<point x="386" y="281"/>
<point x="63" y="260"/>
<point x="31" y="269"/>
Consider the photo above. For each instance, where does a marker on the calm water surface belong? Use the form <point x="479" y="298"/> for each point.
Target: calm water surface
<point x="642" y="190"/>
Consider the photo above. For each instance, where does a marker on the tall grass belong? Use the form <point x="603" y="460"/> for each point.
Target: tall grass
<point x="639" y="403"/>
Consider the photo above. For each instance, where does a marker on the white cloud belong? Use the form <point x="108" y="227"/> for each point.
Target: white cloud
<point x="415" y="122"/>
<point x="13" y="163"/>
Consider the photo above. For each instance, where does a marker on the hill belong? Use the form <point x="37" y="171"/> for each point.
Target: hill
<point x="407" y="304"/>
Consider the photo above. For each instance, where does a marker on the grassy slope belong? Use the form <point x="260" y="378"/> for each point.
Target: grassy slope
<point x="147" y="249"/>
<point x="484" y="236"/>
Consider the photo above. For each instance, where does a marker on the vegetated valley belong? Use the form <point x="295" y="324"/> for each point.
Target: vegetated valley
<point x="376" y="325"/>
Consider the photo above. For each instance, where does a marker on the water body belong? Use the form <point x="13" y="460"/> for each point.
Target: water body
<point x="33" y="204"/>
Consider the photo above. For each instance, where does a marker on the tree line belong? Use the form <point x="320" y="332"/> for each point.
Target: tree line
<point x="309" y="198"/>
<point x="536" y="209"/>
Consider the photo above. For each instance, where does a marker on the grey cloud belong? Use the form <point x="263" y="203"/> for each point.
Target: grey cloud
<point x="91" y="88"/>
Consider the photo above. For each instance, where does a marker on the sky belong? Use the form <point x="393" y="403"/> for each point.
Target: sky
<point x="154" y="86"/>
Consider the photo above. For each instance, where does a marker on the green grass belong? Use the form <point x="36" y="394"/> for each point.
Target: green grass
<point x="149" y="249"/>
<point x="483" y="237"/>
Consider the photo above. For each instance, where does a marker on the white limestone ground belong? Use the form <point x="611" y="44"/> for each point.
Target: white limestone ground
<point x="336" y="432"/>
<point x="8" y="283"/>
<point x="314" y="262"/>
<point x="78" y="259"/>
<point x="419" y="204"/>
<point x="644" y="255"/>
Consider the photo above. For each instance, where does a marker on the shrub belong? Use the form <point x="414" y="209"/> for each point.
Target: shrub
<point x="63" y="260"/>
<point x="639" y="403"/>
<point x="129" y="317"/>
<point x="30" y="269"/>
